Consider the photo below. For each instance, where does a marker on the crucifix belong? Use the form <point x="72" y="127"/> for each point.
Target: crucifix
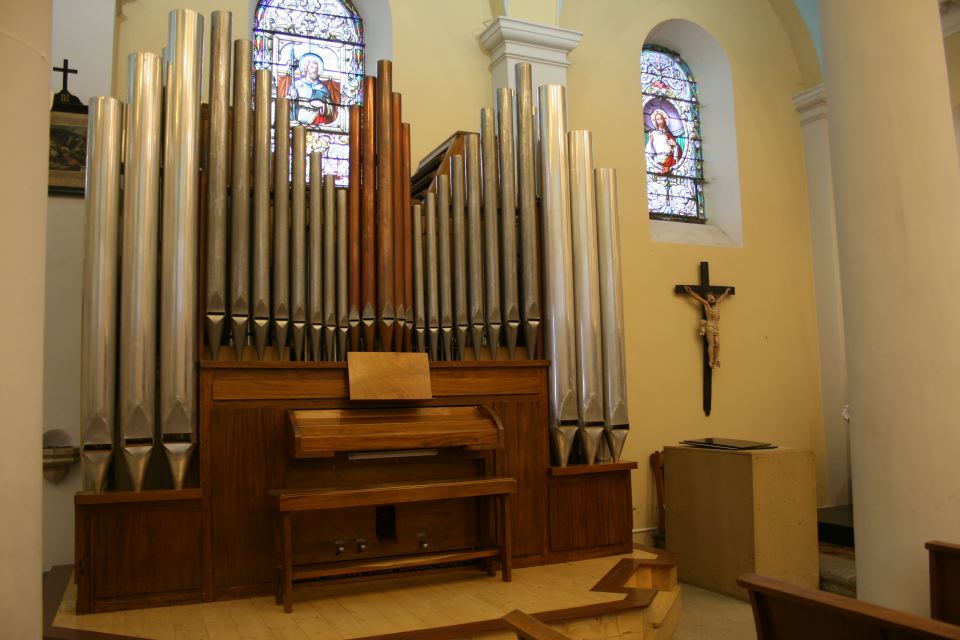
<point x="709" y="296"/>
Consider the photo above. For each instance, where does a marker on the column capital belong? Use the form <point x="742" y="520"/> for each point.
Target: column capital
<point x="811" y="104"/>
<point x="545" y="47"/>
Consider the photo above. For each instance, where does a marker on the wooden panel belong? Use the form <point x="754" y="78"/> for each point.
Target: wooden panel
<point x="524" y="458"/>
<point x="592" y="510"/>
<point x="247" y="452"/>
<point x="345" y="497"/>
<point x="383" y="375"/>
<point x="131" y="552"/>
<point x="454" y="524"/>
<point x="280" y="384"/>
<point x="322" y="432"/>
<point x="485" y="381"/>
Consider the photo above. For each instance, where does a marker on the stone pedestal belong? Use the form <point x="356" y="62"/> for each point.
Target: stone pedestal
<point x="734" y="512"/>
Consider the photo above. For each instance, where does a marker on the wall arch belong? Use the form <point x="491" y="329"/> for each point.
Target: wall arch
<point x="710" y="66"/>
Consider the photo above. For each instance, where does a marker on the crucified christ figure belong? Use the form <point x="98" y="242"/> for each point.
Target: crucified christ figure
<point x="710" y="324"/>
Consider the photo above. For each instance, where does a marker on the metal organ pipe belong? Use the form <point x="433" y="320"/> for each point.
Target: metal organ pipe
<point x="98" y="339"/>
<point x="217" y="165"/>
<point x="179" y="264"/>
<point x="586" y="283"/>
<point x="559" y="341"/>
<point x="138" y="280"/>
<point x="239" y="309"/>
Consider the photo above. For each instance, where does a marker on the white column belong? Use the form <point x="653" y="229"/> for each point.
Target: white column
<point x="545" y="47"/>
<point x="25" y="131"/>
<point x="896" y="180"/>
<point x="812" y="107"/>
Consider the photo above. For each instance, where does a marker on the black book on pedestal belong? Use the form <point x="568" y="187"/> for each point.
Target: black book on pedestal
<point x="728" y="444"/>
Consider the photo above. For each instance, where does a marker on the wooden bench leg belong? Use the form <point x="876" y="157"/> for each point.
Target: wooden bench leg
<point x="287" y="564"/>
<point x="506" y="547"/>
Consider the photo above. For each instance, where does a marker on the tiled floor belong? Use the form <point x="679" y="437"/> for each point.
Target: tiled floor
<point x="712" y="616"/>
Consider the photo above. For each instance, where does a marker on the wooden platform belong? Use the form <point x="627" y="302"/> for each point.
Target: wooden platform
<point x="633" y="596"/>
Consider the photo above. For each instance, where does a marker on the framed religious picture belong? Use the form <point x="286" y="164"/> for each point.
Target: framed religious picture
<point x="68" y="152"/>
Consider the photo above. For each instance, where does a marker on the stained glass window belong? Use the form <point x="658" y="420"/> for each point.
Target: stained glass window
<point x="671" y="135"/>
<point x="315" y="50"/>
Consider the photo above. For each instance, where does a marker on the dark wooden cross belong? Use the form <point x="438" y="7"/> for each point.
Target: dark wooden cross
<point x="66" y="70"/>
<point x="703" y="289"/>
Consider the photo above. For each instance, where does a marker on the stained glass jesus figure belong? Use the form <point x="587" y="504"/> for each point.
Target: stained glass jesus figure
<point x="663" y="151"/>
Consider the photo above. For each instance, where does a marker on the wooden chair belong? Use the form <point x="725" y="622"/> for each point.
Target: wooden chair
<point x="529" y="628"/>
<point x="944" y="581"/>
<point x="783" y="611"/>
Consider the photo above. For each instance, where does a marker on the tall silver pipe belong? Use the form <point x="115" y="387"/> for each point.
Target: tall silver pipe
<point x="586" y="285"/>
<point x="98" y="337"/>
<point x="261" y="213"/>
<point x="298" y="243"/>
<point x="559" y="336"/>
<point x="434" y="269"/>
<point x="281" y="223"/>
<point x="530" y="305"/>
<point x="510" y="307"/>
<point x="315" y="258"/>
<point x="217" y="159"/>
<point x="240" y="197"/>
<point x="474" y="244"/>
<point x="343" y="325"/>
<point x="491" y="229"/>
<point x="615" y="413"/>
<point x="329" y="267"/>
<point x="459" y="257"/>
<point x="179" y="264"/>
<point x="419" y="304"/>
<point x="443" y="256"/>
<point x="138" y="275"/>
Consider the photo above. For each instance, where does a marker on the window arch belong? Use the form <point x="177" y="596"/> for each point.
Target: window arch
<point x="315" y="50"/>
<point x="672" y="143"/>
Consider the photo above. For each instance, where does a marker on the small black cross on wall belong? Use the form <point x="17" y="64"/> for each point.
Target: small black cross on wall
<point x="710" y="329"/>
<point x="66" y="70"/>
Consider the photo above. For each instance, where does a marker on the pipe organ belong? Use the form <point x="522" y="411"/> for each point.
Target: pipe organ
<point x="502" y="248"/>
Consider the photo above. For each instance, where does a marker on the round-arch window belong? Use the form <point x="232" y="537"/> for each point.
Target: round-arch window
<point x="315" y="50"/>
<point x="671" y="125"/>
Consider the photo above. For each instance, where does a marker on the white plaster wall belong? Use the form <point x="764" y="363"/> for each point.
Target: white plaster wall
<point x="82" y="33"/>
<point x="826" y="274"/>
<point x="897" y="227"/>
<point x="24" y="129"/>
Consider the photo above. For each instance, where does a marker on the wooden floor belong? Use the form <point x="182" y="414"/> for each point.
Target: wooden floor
<point x="455" y="604"/>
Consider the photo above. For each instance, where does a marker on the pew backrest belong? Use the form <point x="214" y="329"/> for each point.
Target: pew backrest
<point x="783" y="611"/>
<point x="944" y="581"/>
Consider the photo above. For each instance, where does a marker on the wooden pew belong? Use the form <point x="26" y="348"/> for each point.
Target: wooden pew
<point x="944" y="581"/>
<point x="783" y="611"/>
<point x="529" y="628"/>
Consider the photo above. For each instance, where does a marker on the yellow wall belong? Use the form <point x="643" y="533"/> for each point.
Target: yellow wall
<point x="768" y="387"/>
<point x="440" y="68"/>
